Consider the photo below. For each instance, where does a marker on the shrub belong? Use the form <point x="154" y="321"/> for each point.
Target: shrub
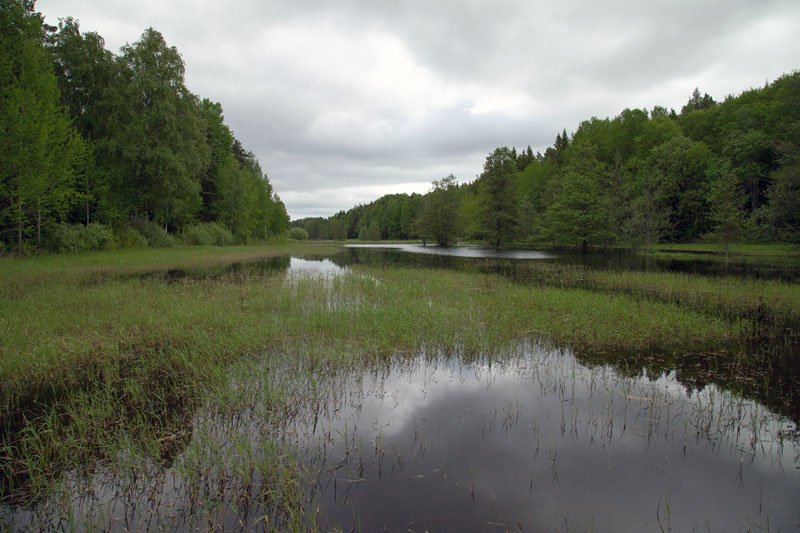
<point x="298" y="234"/>
<point x="131" y="239"/>
<point x="208" y="234"/>
<point x="155" y="234"/>
<point x="80" y="238"/>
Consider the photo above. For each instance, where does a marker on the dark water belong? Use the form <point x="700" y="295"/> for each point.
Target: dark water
<point x="247" y="271"/>
<point x="533" y="440"/>
<point x="544" y="443"/>
<point x="453" y="257"/>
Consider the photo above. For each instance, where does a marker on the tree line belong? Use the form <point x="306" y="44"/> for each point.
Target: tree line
<point x="725" y="170"/>
<point x="116" y="144"/>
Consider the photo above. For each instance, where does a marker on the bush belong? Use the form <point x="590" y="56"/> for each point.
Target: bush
<point x="298" y="234"/>
<point x="208" y="234"/>
<point x="155" y="234"/>
<point x="80" y="238"/>
<point x="131" y="239"/>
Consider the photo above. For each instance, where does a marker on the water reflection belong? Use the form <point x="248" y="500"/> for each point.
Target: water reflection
<point x="459" y="251"/>
<point x="543" y="443"/>
<point x="620" y="261"/>
<point x="243" y="271"/>
<point x="531" y="440"/>
<point x="314" y="267"/>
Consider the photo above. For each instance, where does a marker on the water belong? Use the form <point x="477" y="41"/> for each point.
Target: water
<point x="543" y="443"/>
<point x="306" y="267"/>
<point x="246" y="271"/>
<point x="469" y="256"/>
<point x="534" y="440"/>
<point x="459" y="251"/>
<point x="530" y="440"/>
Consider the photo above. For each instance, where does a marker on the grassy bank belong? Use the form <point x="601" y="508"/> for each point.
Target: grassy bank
<point x="95" y="361"/>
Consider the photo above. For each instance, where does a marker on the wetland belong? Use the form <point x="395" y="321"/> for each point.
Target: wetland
<point x="375" y="389"/>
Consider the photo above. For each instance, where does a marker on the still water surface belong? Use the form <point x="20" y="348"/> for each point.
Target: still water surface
<point x="541" y="443"/>
<point x="532" y="440"/>
<point x="469" y="256"/>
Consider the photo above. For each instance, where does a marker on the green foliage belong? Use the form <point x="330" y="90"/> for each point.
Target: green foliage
<point x="498" y="209"/>
<point x="130" y="238"/>
<point x="337" y="230"/>
<point x="784" y="198"/>
<point x="41" y="155"/>
<point x="726" y="211"/>
<point x="79" y="238"/>
<point x="208" y="234"/>
<point x="145" y="147"/>
<point x="648" y="217"/>
<point x="157" y="146"/>
<point x="371" y="232"/>
<point x="298" y="234"/>
<point x="580" y="214"/>
<point x="135" y="142"/>
<point x="156" y="236"/>
<point x="439" y="220"/>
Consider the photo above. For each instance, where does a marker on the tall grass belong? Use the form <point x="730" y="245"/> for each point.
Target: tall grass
<point x="764" y="303"/>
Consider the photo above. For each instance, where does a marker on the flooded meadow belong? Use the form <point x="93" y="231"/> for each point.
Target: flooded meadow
<point x="380" y="390"/>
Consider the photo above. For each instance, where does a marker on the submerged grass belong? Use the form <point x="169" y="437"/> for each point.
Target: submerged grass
<point x="93" y="370"/>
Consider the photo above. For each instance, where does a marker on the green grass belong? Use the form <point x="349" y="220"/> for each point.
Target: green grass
<point x="765" y="304"/>
<point x="785" y="255"/>
<point x="91" y="367"/>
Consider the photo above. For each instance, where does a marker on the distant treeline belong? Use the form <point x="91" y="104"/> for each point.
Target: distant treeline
<point x="727" y="171"/>
<point x="115" y="143"/>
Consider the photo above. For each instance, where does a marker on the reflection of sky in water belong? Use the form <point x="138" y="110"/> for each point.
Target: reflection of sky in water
<point x="459" y="251"/>
<point x="546" y="441"/>
<point x="305" y="267"/>
<point x="537" y="442"/>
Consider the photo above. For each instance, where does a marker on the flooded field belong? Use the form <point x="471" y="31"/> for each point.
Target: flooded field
<point x="371" y="398"/>
<point x="532" y="440"/>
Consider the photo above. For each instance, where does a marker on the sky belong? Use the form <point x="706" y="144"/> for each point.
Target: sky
<point x="343" y="102"/>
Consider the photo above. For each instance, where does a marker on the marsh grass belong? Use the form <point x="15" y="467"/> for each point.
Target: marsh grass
<point x="769" y="307"/>
<point x="104" y="370"/>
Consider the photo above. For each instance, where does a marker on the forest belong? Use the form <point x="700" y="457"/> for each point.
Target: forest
<point x="722" y="171"/>
<point x="101" y="150"/>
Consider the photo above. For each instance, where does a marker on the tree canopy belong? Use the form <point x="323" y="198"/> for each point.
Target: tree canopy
<point x="89" y="136"/>
<point x="722" y="170"/>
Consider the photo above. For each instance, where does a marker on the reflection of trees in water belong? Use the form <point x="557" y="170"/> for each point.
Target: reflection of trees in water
<point x="772" y="379"/>
<point x="231" y="272"/>
<point x="617" y="261"/>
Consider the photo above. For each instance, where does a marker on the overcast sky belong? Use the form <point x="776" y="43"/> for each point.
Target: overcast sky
<point x="344" y="101"/>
